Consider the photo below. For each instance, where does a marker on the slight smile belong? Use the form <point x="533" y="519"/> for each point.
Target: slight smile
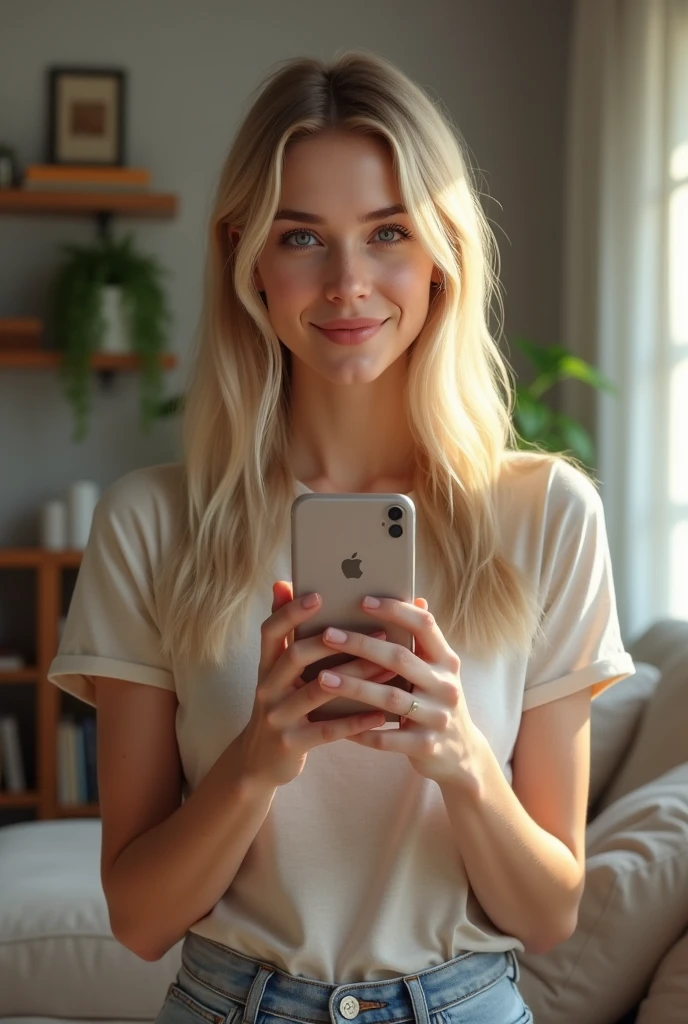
<point x="355" y="337"/>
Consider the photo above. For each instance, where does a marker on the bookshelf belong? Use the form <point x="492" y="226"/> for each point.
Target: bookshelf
<point x="49" y="568"/>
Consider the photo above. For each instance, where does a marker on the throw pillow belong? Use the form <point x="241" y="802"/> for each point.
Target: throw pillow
<point x="614" y="719"/>
<point x="667" y="1000"/>
<point x="661" y="741"/>
<point x="634" y="908"/>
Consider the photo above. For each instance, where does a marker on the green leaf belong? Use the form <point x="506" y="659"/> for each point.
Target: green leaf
<point x="531" y="416"/>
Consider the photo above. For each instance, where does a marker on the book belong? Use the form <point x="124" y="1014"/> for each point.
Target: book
<point x="59" y="177"/>
<point x="11" y="753"/>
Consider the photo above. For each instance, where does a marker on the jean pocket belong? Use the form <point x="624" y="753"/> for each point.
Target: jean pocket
<point x="181" y="1007"/>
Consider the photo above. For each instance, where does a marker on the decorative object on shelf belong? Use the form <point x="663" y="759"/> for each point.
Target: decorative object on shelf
<point x="21" y="333"/>
<point x="74" y="178"/>
<point x="11" y="659"/>
<point x="54" y="525"/>
<point x="86" y="118"/>
<point x="82" y="498"/>
<point x="86" y="315"/>
<point x="9" y="167"/>
<point x="534" y="420"/>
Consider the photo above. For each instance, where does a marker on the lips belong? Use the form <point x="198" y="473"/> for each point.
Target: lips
<point x="351" y="337"/>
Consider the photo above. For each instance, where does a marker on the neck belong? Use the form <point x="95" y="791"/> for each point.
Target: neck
<point x="351" y="438"/>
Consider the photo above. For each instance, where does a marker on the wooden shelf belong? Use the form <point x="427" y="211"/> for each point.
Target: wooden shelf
<point x="136" y="204"/>
<point x="32" y="558"/>
<point x="47" y="359"/>
<point x="29" y="798"/>
<point x="78" y="810"/>
<point x="19" y="675"/>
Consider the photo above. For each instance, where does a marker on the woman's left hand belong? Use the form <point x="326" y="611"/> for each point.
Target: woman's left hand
<point x="440" y="740"/>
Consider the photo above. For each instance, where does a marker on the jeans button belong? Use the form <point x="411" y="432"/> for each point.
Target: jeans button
<point x="349" y="1007"/>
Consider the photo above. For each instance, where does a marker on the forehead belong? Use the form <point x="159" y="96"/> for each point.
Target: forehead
<point x="338" y="173"/>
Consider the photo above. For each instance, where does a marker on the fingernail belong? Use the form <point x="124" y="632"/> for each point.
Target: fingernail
<point x="330" y="679"/>
<point x="371" y="602"/>
<point x="309" y="601"/>
<point x="335" y="635"/>
<point x="380" y="635"/>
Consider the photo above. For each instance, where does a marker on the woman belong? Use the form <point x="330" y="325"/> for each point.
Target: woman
<point x="394" y="876"/>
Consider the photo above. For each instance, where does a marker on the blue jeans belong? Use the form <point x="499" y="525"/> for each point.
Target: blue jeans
<point x="217" y="985"/>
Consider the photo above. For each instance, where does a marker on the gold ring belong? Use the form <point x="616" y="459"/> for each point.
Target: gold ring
<point x="411" y="709"/>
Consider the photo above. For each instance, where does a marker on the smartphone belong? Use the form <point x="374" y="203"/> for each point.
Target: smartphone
<point x="345" y="546"/>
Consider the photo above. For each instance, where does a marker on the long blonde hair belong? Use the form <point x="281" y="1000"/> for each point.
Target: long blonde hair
<point x="235" y="431"/>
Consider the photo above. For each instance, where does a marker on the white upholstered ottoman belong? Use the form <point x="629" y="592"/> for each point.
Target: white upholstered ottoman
<point x="58" y="956"/>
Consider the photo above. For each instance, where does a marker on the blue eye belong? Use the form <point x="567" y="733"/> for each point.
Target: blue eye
<point x="284" y="238"/>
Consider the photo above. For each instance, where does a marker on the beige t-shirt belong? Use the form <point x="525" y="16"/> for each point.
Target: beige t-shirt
<point x="355" y="873"/>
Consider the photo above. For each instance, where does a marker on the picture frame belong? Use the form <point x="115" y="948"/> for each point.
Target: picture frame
<point x="86" y="116"/>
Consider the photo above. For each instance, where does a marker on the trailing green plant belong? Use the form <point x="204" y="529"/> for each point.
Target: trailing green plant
<point x="80" y="325"/>
<point x="535" y="421"/>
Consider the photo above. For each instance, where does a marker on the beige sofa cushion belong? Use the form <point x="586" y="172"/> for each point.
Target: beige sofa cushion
<point x="667" y="1000"/>
<point x="634" y="908"/>
<point x="58" y="957"/>
<point x="614" y="718"/>
<point x="661" y="741"/>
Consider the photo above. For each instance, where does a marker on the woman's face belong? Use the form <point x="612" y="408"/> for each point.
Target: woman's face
<point x="332" y="265"/>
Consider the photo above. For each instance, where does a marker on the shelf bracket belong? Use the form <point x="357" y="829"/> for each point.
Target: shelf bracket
<point x="104" y="219"/>
<point x="106" y="378"/>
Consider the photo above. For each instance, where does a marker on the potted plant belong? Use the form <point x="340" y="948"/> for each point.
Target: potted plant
<point x="534" y="420"/>
<point x="109" y="297"/>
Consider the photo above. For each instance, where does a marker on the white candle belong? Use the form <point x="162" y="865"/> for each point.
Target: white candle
<point x="54" y="534"/>
<point x="82" y="498"/>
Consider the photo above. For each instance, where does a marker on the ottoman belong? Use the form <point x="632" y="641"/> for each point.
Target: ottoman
<point x="58" y="956"/>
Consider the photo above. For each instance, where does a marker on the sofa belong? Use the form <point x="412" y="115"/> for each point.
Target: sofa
<point x="626" y="961"/>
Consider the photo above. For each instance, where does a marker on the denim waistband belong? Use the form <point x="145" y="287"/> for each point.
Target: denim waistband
<point x="258" y="984"/>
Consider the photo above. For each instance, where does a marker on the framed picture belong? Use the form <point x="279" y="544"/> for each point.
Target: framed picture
<point x="86" y="119"/>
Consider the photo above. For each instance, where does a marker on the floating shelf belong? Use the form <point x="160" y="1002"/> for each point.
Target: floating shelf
<point x="46" y="359"/>
<point x="31" y="558"/>
<point x="137" y="204"/>
<point x="27" y="798"/>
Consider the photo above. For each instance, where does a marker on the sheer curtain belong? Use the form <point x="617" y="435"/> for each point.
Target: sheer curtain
<point x="626" y="286"/>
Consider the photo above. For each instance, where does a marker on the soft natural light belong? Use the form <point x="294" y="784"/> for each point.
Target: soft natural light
<point x="678" y="437"/>
<point x="678" y="165"/>
<point x="678" y="266"/>
<point x="678" y="577"/>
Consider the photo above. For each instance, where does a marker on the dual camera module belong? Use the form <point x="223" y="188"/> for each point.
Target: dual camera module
<point x="395" y="513"/>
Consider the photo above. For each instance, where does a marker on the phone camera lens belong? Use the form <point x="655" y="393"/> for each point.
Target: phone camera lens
<point x="396" y="530"/>
<point x="395" y="512"/>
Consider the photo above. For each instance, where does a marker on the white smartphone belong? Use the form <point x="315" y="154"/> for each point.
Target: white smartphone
<point x="345" y="546"/>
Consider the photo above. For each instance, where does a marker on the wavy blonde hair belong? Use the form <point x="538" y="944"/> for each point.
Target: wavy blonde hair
<point x="235" y="430"/>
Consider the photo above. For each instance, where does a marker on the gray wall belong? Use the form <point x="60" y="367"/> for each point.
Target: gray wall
<point x="500" y="69"/>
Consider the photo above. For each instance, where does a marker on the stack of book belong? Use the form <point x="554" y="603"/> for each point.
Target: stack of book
<point x="68" y="177"/>
<point x="77" y="773"/>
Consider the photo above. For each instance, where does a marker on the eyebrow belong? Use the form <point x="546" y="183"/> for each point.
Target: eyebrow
<point x="312" y="218"/>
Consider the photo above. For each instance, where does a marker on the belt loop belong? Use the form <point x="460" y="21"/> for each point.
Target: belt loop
<point x="517" y="968"/>
<point x="255" y="994"/>
<point x="420" y="1007"/>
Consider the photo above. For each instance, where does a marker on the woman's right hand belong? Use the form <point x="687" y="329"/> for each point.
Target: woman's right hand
<point x="274" y="745"/>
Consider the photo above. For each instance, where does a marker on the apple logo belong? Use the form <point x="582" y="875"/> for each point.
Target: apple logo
<point x="351" y="567"/>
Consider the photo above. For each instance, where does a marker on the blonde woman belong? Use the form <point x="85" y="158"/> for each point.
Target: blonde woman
<point x="350" y="870"/>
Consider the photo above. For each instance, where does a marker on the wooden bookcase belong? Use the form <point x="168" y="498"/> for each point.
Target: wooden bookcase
<point x="50" y="567"/>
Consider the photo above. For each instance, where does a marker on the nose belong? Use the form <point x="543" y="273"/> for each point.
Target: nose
<point x="347" y="274"/>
